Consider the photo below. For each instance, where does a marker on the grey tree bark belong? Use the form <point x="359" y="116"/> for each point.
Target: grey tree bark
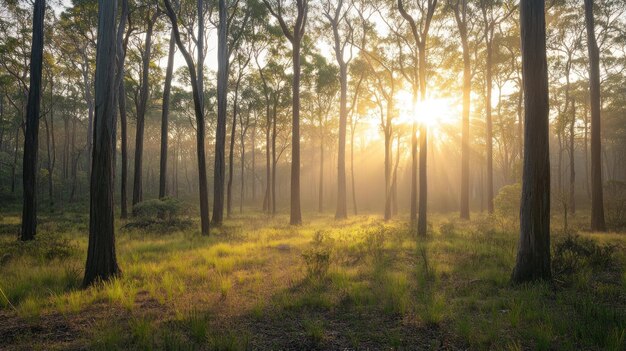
<point x="295" y="37"/>
<point x="141" y="112"/>
<point x="219" y="171"/>
<point x="597" y="198"/>
<point x="200" y="123"/>
<point x="533" y="255"/>
<point x="31" y="134"/>
<point x="164" y="116"/>
<point x="101" y="258"/>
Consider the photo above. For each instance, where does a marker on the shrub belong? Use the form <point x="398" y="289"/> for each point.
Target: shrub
<point x="447" y="228"/>
<point x="317" y="258"/>
<point x="507" y="202"/>
<point x="574" y="254"/>
<point x="165" y="209"/>
<point x="615" y="202"/>
<point x="160" y="215"/>
<point x="44" y="248"/>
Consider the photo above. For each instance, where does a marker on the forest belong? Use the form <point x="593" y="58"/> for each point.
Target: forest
<point x="312" y="175"/>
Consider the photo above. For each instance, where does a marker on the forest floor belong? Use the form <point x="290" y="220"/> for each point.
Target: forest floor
<point x="258" y="283"/>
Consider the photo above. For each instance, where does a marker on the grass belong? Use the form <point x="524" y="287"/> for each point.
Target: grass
<point x="257" y="283"/>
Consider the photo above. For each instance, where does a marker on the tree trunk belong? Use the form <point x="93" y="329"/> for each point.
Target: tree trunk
<point x="231" y="158"/>
<point x="254" y="161"/>
<point x="388" y="162"/>
<point x="597" y="201"/>
<point x="101" y="258"/>
<point x="353" y="130"/>
<point x="394" y="182"/>
<point x="572" y="168"/>
<point x="51" y="148"/>
<point x="489" y="123"/>
<point x="423" y="156"/>
<point x="141" y="114"/>
<point x="342" y="206"/>
<point x="222" y="97"/>
<point x="31" y="135"/>
<point x="200" y="123"/>
<point x="320" y="206"/>
<point x="465" y="126"/>
<point x="124" y="151"/>
<point x="533" y="255"/>
<point x="164" y="116"/>
<point x="295" y="215"/>
<point x="15" y="156"/>
<point x="274" y="160"/>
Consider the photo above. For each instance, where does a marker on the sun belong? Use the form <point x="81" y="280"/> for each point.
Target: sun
<point x="433" y="112"/>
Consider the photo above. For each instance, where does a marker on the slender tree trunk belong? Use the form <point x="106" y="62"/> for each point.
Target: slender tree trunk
<point x="101" y="258"/>
<point x="66" y="148"/>
<point x="222" y="97"/>
<point x="597" y="200"/>
<point x="559" y="168"/>
<point x="274" y="160"/>
<point x="388" y="162"/>
<point x="74" y="160"/>
<point x="124" y="151"/>
<point x="231" y="153"/>
<point x="586" y="148"/>
<point x="15" y="156"/>
<point x="268" y="166"/>
<point x="200" y="123"/>
<point x="465" y="129"/>
<point x="254" y="161"/>
<point x="423" y="156"/>
<point x="352" y="169"/>
<point x="489" y="123"/>
<point x="31" y="135"/>
<point x="87" y="84"/>
<point x="141" y="113"/>
<point x="342" y="206"/>
<point x="394" y="183"/>
<point x="165" y="115"/>
<point x="320" y="206"/>
<point x="572" y="167"/>
<point x="296" y="214"/>
<point x="51" y="148"/>
<point x="533" y="255"/>
<point x="414" y="168"/>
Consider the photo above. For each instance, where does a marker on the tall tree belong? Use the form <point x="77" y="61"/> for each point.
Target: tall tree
<point x="337" y="16"/>
<point x="101" y="259"/>
<point x="242" y="63"/>
<point x="200" y="123"/>
<point x="142" y="107"/>
<point x="295" y="36"/>
<point x="225" y="48"/>
<point x="164" y="116"/>
<point x="219" y="171"/>
<point x="420" y="31"/>
<point x="533" y="255"/>
<point x="122" y="45"/>
<point x="460" y="16"/>
<point x="492" y="17"/>
<point x="31" y="134"/>
<point x="597" y="199"/>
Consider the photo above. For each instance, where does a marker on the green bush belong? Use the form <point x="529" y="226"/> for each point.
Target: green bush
<point x="317" y="258"/>
<point x="160" y="215"/>
<point x="615" y="204"/>
<point x="44" y="248"/>
<point x="574" y="254"/>
<point x="447" y="228"/>
<point x="507" y="202"/>
<point x="166" y="209"/>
